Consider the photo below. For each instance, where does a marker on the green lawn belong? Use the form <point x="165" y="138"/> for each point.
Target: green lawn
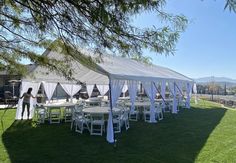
<point x="206" y="133"/>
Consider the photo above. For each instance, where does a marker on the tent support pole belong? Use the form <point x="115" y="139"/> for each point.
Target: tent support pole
<point x="111" y="107"/>
<point x="160" y="93"/>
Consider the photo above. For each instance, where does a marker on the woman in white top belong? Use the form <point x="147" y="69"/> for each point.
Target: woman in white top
<point x="26" y="102"/>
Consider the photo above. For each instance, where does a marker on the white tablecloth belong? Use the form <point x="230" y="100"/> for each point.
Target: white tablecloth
<point x="64" y="104"/>
<point x="166" y="100"/>
<point x="100" y="110"/>
<point x="93" y="101"/>
<point x="123" y="98"/>
<point x="137" y="103"/>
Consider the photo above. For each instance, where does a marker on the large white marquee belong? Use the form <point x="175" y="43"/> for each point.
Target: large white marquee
<point x="114" y="73"/>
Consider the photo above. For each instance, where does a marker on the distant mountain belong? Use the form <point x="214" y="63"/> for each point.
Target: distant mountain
<point x="215" y="79"/>
<point x="219" y="80"/>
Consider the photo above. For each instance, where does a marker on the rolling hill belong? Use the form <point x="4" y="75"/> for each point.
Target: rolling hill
<point x="218" y="80"/>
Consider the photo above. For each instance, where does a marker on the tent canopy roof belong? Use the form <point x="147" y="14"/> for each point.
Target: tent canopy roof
<point x="111" y="66"/>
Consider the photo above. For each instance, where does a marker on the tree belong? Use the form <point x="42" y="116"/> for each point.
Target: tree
<point x="28" y="26"/>
<point x="201" y="88"/>
<point x="231" y="5"/>
<point x="213" y="87"/>
<point x="225" y="90"/>
<point x="144" y="59"/>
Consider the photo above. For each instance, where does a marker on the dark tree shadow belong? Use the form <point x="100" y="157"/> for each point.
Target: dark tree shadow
<point x="178" y="138"/>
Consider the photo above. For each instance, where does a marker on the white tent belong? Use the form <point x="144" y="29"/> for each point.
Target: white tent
<point x="113" y="72"/>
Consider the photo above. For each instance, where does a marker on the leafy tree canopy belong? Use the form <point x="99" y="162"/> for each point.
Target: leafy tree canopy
<point x="28" y="26"/>
<point x="231" y="5"/>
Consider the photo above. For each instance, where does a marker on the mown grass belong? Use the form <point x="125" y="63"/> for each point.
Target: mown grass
<point x="205" y="133"/>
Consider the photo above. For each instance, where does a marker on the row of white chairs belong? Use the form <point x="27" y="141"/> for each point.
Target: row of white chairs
<point x="53" y="115"/>
<point x="95" y="123"/>
<point x="158" y="110"/>
<point x="134" y="116"/>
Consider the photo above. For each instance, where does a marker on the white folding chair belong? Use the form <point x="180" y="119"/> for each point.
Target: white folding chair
<point x="55" y="115"/>
<point x="76" y="112"/>
<point x="68" y="113"/>
<point x="168" y="107"/>
<point x="133" y="116"/>
<point x="182" y="103"/>
<point x="97" y="124"/>
<point x="158" y="112"/>
<point x="146" y="114"/>
<point x="81" y="123"/>
<point x="40" y="114"/>
<point x="125" y="118"/>
<point x="116" y="121"/>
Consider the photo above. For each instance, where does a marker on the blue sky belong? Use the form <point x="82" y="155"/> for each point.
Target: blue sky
<point x="208" y="46"/>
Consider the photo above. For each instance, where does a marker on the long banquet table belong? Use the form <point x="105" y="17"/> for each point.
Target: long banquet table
<point x="57" y="104"/>
<point x="167" y="100"/>
<point x="100" y="110"/>
<point x="139" y="103"/>
<point x="93" y="102"/>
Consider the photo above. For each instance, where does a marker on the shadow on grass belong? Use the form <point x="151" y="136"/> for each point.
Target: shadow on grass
<point x="178" y="138"/>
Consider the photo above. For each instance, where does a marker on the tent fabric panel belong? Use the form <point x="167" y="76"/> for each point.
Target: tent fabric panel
<point x="24" y="87"/>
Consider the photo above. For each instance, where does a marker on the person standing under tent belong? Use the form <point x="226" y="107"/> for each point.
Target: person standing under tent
<point x="26" y="102"/>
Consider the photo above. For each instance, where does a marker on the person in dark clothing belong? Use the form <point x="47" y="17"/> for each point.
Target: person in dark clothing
<point x="26" y="102"/>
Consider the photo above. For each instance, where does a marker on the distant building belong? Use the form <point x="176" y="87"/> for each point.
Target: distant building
<point x="7" y="86"/>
